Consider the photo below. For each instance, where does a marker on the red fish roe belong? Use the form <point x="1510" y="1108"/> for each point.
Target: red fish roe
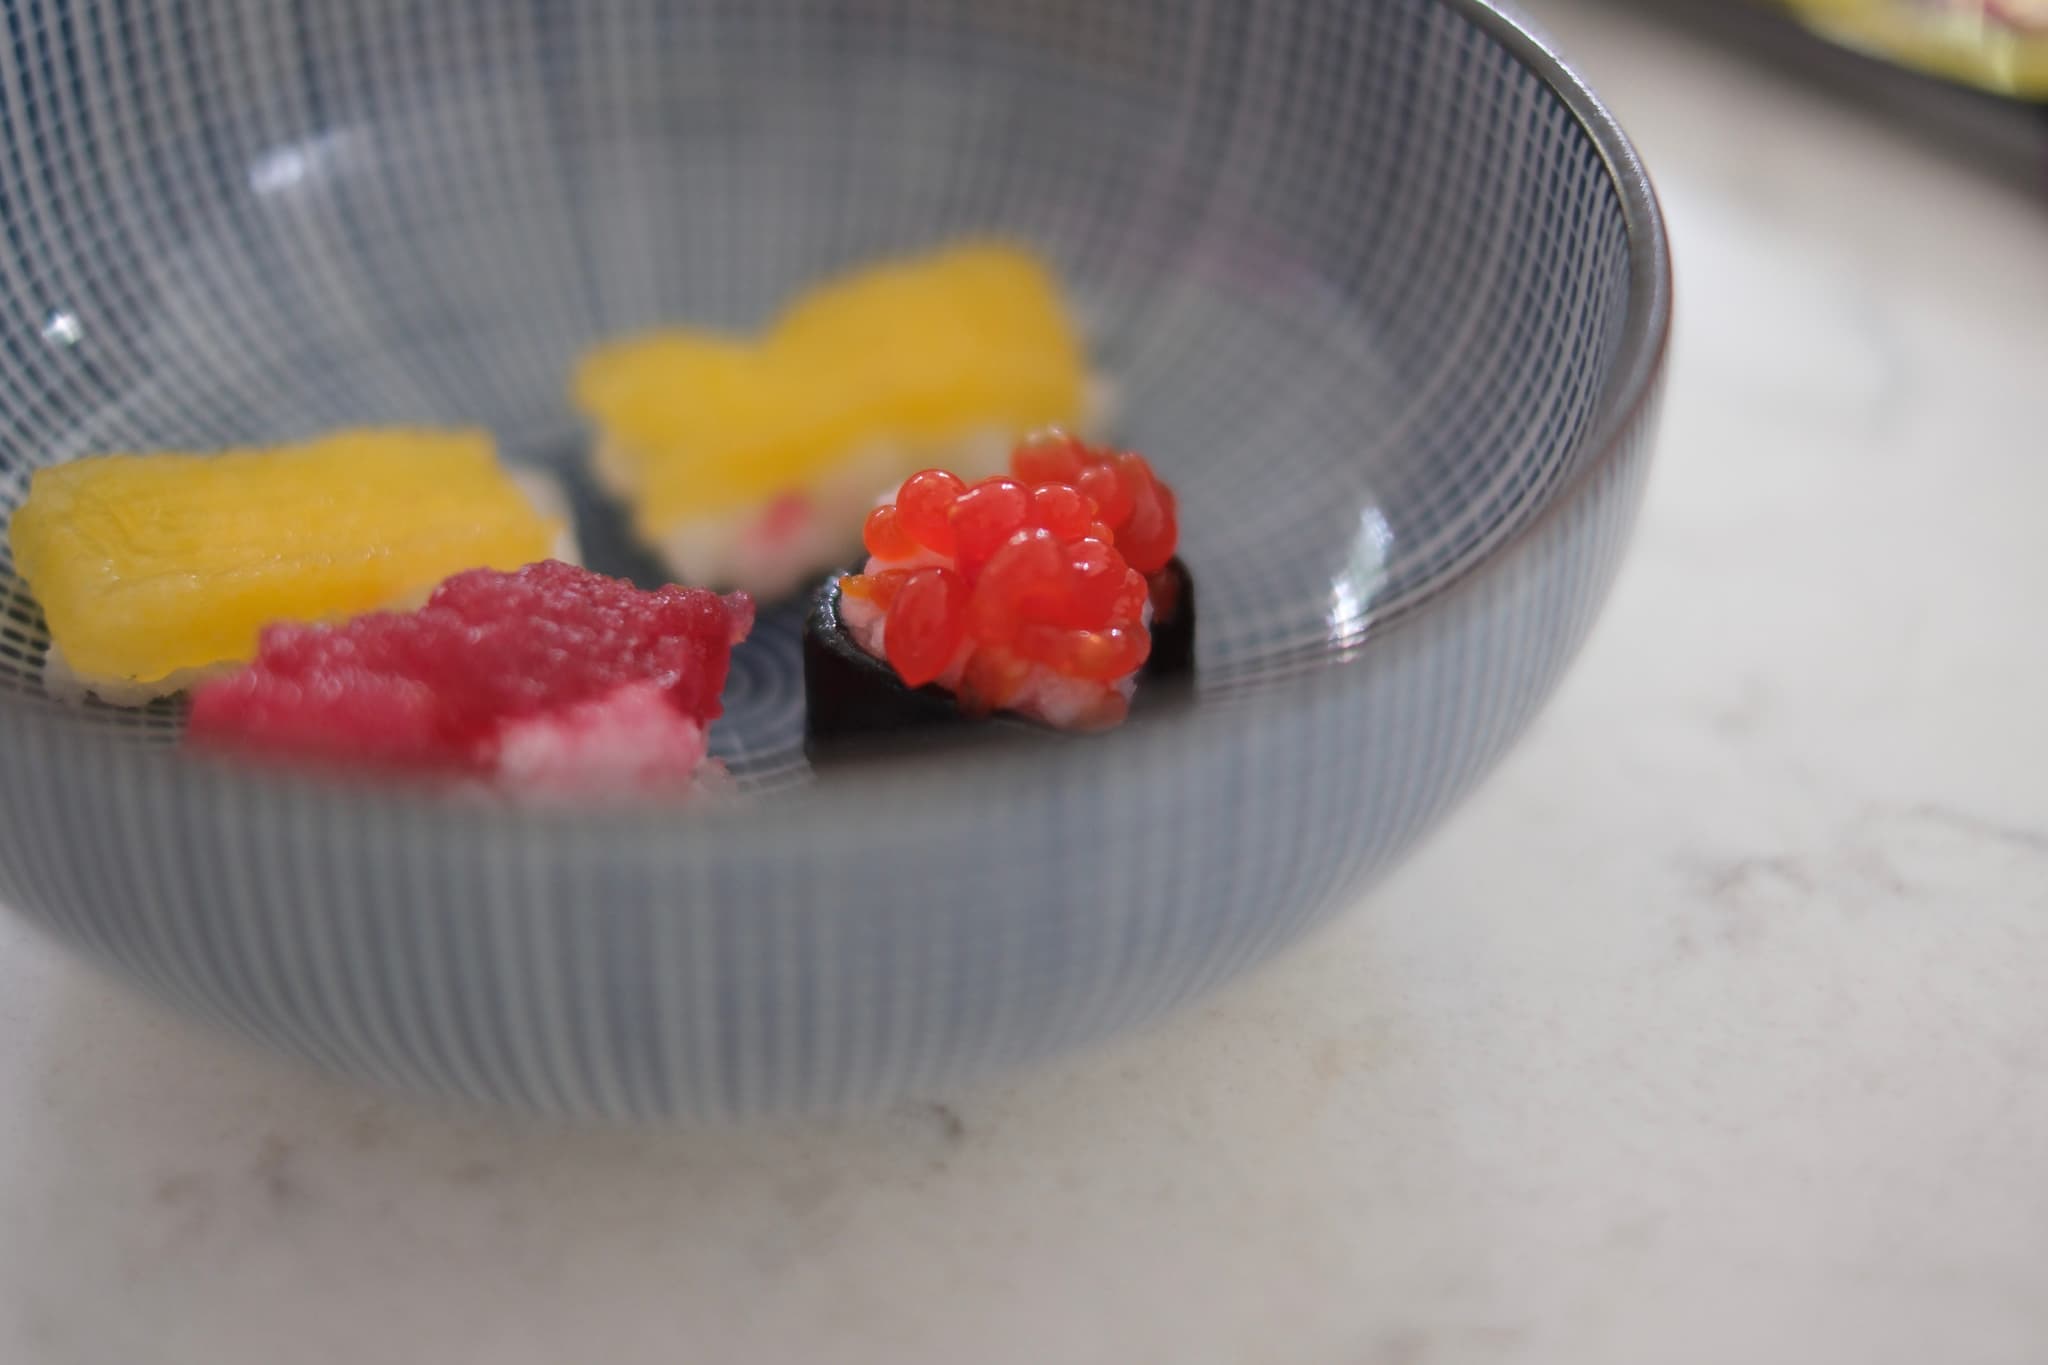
<point x="1132" y="501"/>
<point x="1062" y="509"/>
<point x="1044" y="571"/>
<point x="984" y="516"/>
<point x="886" y="536"/>
<point x="879" y="587"/>
<point x="440" y="688"/>
<point x="927" y="620"/>
<point x="1049" y="457"/>
<point x="924" y="506"/>
<point x="993" y="679"/>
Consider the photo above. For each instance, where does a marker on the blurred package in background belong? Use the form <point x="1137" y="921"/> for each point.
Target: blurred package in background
<point x="1973" y="73"/>
<point x="1998" y="46"/>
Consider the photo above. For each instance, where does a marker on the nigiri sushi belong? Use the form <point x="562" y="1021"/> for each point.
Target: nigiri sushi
<point x="1044" y="594"/>
<point x="156" y="570"/>
<point x="550" y="679"/>
<point x="749" y="462"/>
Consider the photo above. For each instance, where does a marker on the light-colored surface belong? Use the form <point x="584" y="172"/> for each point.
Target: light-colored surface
<point x="1713" y="1030"/>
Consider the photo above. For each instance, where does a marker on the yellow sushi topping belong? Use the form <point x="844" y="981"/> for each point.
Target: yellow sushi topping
<point x="916" y="352"/>
<point x="149" y="564"/>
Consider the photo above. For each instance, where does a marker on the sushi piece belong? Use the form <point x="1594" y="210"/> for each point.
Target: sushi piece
<point x="1041" y="597"/>
<point x="749" y="462"/>
<point x="549" y="679"/>
<point x="154" y="571"/>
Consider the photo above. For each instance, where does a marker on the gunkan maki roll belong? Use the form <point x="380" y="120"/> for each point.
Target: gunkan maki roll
<point x="1042" y="600"/>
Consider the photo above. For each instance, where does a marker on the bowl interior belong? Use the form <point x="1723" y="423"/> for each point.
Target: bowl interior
<point x="1359" y="276"/>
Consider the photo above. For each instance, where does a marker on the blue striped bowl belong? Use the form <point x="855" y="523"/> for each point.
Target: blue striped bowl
<point x="1382" y="287"/>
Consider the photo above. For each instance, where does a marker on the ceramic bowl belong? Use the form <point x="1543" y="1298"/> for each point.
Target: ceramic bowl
<point x="1382" y="289"/>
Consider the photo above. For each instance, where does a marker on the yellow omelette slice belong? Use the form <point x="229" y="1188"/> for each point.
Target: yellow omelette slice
<point x="916" y="352"/>
<point x="146" y="565"/>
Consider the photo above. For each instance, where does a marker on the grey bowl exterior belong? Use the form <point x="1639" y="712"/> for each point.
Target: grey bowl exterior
<point x="1388" y="293"/>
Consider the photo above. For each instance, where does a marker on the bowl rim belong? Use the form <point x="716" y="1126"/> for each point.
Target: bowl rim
<point x="1630" y="384"/>
<point x="1646" y="327"/>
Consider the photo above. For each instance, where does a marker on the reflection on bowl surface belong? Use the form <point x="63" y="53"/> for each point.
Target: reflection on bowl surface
<point x="1380" y="287"/>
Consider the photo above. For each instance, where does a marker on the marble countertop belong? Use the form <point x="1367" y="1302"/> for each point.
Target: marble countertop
<point x="1714" y="1029"/>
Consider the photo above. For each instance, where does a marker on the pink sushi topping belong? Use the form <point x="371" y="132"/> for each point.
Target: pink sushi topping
<point x="1028" y="592"/>
<point x="550" y="674"/>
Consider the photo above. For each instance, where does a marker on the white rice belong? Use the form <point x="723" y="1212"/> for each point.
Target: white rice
<point x="627" y="742"/>
<point x="741" y="547"/>
<point x="773" y="550"/>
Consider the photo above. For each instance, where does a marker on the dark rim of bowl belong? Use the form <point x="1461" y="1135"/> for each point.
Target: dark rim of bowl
<point x="1626" y="391"/>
